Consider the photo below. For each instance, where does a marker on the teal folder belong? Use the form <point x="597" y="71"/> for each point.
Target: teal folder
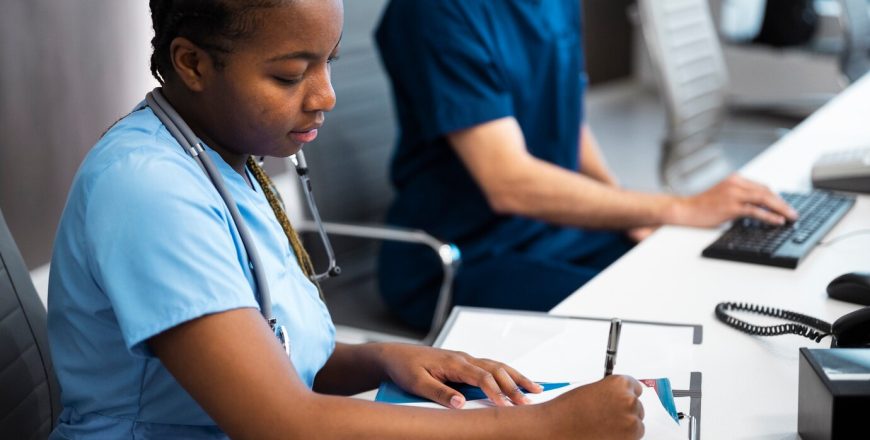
<point x="389" y="392"/>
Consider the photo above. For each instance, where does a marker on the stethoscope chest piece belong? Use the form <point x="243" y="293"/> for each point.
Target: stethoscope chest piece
<point x="282" y="335"/>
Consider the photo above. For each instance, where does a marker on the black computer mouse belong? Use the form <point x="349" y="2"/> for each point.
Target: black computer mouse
<point x="853" y="287"/>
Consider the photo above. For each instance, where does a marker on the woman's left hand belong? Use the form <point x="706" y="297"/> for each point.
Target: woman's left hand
<point x="424" y="371"/>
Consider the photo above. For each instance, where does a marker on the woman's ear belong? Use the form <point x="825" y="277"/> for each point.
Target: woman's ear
<point x="191" y="63"/>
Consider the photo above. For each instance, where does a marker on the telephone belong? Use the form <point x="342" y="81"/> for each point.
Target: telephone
<point x="851" y="330"/>
<point x="847" y="170"/>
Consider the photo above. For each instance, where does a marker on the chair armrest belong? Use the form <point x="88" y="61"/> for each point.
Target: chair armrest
<point x="448" y="253"/>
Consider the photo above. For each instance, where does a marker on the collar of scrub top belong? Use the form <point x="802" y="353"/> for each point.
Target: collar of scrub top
<point x="192" y="145"/>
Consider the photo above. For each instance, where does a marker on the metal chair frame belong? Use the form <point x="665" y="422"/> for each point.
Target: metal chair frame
<point x="448" y="254"/>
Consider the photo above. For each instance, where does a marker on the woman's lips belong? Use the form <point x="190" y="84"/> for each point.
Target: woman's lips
<point x="304" y="137"/>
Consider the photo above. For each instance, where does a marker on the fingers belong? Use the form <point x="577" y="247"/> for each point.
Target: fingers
<point x="487" y="383"/>
<point x="511" y="381"/>
<point x="509" y="387"/>
<point x="523" y="381"/>
<point x="628" y="382"/>
<point x="762" y="196"/>
<point x="500" y="383"/>
<point x="756" y="212"/>
<point x="627" y="405"/>
<point x="636" y="387"/>
<point x="436" y="391"/>
<point x="757" y="201"/>
<point x="639" y="409"/>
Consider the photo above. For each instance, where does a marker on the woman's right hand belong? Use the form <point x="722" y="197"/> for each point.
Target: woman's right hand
<point x="607" y="409"/>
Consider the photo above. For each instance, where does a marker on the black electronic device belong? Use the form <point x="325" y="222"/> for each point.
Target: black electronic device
<point x="752" y="241"/>
<point x="851" y="330"/>
<point x="843" y="171"/>
<point x="853" y="287"/>
<point x="833" y="393"/>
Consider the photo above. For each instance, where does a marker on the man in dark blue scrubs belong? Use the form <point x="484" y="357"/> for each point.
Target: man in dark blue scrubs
<point x="493" y="155"/>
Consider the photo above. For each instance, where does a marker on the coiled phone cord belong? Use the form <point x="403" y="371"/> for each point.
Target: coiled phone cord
<point x="802" y="325"/>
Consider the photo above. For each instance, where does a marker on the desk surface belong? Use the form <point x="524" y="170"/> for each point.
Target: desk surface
<point x="750" y="383"/>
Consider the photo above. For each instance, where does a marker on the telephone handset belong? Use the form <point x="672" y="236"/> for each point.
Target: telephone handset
<point x="851" y="330"/>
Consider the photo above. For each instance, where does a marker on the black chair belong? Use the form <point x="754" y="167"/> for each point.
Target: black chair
<point x="29" y="392"/>
<point x="349" y="172"/>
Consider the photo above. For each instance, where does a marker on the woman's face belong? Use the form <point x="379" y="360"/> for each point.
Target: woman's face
<point x="270" y="97"/>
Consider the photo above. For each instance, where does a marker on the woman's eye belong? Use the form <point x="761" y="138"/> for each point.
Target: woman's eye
<point x="287" y="81"/>
<point x="332" y="59"/>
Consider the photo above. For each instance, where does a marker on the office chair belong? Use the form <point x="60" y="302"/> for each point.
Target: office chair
<point x="855" y="54"/>
<point x="688" y="64"/>
<point x="29" y="392"/>
<point x="348" y="167"/>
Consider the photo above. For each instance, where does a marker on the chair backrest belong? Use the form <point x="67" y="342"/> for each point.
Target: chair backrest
<point x="349" y="169"/>
<point x="855" y="20"/>
<point x="29" y="392"/>
<point x="349" y="161"/>
<point x="688" y="63"/>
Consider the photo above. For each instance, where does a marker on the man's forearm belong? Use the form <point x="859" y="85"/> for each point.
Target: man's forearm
<point x="515" y="182"/>
<point x="553" y="194"/>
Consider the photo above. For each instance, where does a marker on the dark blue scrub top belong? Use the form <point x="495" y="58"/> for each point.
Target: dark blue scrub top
<point x="459" y="63"/>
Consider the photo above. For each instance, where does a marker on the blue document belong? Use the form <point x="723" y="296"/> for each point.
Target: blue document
<point x="389" y="392"/>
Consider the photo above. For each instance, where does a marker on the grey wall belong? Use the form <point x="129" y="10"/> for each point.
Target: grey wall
<point x="68" y="69"/>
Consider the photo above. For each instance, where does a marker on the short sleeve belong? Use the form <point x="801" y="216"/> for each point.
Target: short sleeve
<point x="443" y="65"/>
<point x="161" y="247"/>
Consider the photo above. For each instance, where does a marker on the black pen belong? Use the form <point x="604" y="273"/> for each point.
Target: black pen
<point x="612" y="345"/>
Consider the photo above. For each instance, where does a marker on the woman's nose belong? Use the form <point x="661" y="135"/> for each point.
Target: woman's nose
<point x="321" y="95"/>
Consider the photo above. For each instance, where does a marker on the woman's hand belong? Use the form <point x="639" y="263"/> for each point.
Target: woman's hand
<point x="603" y="410"/>
<point x="424" y="370"/>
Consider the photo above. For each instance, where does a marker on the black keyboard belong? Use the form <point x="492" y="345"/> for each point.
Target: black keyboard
<point x="752" y="241"/>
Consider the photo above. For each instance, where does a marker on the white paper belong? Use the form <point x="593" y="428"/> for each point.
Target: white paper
<point x="550" y="349"/>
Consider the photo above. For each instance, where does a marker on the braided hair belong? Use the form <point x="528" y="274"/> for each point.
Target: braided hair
<point x="213" y="25"/>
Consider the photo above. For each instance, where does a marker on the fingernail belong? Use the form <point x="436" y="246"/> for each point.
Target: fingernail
<point x="456" y="402"/>
<point x="527" y="401"/>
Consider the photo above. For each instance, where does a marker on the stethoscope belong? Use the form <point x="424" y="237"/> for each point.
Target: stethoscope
<point x="193" y="146"/>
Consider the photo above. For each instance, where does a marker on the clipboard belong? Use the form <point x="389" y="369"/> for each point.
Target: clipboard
<point x="478" y="331"/>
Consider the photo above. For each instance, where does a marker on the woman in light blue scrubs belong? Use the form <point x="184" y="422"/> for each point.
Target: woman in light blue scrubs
<point x="153" y="321"/>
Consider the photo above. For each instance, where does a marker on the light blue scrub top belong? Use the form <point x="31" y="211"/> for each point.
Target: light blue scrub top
<point x="145" y="244"/>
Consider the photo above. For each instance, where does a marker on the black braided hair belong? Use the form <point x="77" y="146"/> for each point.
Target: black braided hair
<point x="212" y="25"/>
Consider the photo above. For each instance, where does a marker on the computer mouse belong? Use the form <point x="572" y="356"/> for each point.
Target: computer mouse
<point x="852" y="287"/>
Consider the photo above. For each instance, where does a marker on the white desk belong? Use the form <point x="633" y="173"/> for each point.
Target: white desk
<point x="750" y="383"/>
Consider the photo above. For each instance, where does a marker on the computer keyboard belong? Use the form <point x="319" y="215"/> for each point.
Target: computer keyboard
<point x="752" y="241"/>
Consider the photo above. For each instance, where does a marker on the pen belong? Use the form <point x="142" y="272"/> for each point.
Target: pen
<point x="612" y="345"/>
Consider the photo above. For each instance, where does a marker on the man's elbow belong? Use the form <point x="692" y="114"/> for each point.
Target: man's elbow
<point x="504" y="202"/>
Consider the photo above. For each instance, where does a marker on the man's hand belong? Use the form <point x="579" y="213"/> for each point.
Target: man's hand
<point x="731" y="198"/>
<point x="424" y="370"/>
<point x="641" y="233"/>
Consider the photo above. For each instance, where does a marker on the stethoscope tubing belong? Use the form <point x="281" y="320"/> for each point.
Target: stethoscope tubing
<point x="191" y="144"/>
